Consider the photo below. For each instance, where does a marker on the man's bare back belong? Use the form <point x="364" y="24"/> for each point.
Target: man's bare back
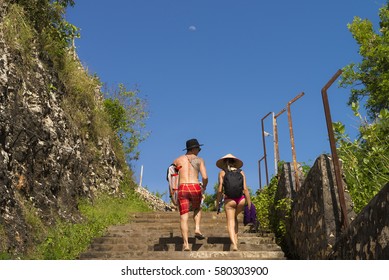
<point x="191" y="166"/>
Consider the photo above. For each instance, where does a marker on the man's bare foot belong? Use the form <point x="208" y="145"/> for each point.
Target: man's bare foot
<point x="186" y="248"/>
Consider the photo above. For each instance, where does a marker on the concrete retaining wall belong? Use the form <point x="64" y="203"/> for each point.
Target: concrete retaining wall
<point x="314" y="225"/>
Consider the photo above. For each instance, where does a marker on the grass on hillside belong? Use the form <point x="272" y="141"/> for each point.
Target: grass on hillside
<point x="66" y="240"/>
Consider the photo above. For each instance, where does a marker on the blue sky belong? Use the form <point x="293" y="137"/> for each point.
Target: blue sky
<point x="212" y="69"/>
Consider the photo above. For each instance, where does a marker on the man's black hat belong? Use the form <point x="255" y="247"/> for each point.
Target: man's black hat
<point x="192" y="143"/>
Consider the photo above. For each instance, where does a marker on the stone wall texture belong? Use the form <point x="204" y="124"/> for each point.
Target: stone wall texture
<point x="154" y="202"/>
<point x="367" y="237"/>
<point x="314" y="225"/>
<point x="45" y="163"/>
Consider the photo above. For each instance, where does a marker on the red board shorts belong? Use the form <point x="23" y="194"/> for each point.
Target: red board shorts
<point x="189" y="193"/>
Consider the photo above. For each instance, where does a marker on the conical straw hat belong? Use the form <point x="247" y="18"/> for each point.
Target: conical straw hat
<point x="221" y="163"/>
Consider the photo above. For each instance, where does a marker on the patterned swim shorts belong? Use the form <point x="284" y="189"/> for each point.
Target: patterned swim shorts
<point x="189" y="193"/>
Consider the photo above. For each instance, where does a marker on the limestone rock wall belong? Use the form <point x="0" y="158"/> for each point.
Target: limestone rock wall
<point x="153" y="201"/>
<point x="45" y="165"/>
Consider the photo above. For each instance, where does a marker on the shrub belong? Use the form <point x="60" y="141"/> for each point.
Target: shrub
<point x="366" y="159"/>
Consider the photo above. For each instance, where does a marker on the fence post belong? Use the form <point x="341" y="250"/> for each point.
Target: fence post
<point x="275" y="132"/>
<point x="264" y="147"/>
<point x="259" y="172"/>
<point x="296" y="173"/>
<point x="335" y="159"/>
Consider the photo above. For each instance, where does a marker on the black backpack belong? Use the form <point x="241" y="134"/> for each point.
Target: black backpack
<point x="233" y="183"/>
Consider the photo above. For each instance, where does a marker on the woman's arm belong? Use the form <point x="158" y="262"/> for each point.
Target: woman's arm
<point x="246" y="191"/>
<point x="220" y="189"/>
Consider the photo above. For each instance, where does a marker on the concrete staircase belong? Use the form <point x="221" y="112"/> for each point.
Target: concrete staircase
<point x="157" y="236"/>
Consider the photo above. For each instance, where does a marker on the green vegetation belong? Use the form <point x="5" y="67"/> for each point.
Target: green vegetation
<point x="18" y="32"/>
<point x="126" y="115"/>
<point x="264" y="203"/>
<point x="30" y="213"/>
<point x="3" y="255"/>
<point x="209" y="202"/>
<point x="66" y="240"/>
<point x="366" y="159"/>
<point x="369" y="79"/>
<point x="269" y="209"/>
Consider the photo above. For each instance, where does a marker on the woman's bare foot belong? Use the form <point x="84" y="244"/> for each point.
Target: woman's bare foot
<point x="199" y="236"/>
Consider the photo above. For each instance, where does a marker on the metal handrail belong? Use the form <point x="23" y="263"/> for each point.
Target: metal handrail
<point x="296" y="173"/>
<point x="335" y="159"/>
<point x="259" y="172"/>
<point x="275" y="131"/>
<point x="264" y="147"/>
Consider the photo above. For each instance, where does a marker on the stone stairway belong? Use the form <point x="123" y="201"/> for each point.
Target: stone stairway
<point x="157" y="236"/>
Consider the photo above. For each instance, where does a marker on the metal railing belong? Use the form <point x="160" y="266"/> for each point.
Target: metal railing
<point x="259" y="172"/>
<point x="275" y="135"/>
<point x="264" y="147"/>
<point x="296" y="172"/>
<point x="335" y="159"/>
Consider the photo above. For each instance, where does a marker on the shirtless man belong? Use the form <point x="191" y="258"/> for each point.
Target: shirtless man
<point x="190" y="190"/>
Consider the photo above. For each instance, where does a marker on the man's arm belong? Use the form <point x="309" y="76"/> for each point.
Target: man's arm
<point x="203" y="172"/>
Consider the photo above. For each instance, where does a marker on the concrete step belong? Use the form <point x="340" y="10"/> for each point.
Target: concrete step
<point x="157" y="235"/>
<point x="244" y="239"/>
<point x="180" y="255"/>
<point x="173" y="216"/>
<point x="163" y="229"/>
<point x="177" y="246"/>
<point x="169" y="235"/>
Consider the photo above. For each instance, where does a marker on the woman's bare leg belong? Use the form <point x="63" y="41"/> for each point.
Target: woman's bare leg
<point x="230" y="208"/>
<point x="239" y="209"/>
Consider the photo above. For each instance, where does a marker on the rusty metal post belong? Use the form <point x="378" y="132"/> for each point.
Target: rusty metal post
<point x="296" y="173"/>
<point x="335" y="159"/>
<point x="275" y="132"/>
<point x="274" y="145"/>
<point x="259" y="172"/>
<point x="264" y="148"/>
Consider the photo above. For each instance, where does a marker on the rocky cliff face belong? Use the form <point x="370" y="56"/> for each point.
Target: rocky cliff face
<point x="45" y="163"/>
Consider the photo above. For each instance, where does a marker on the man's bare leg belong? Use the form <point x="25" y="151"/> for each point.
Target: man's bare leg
<point x="197" y="220"/>
<point x="184" y="230"/>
